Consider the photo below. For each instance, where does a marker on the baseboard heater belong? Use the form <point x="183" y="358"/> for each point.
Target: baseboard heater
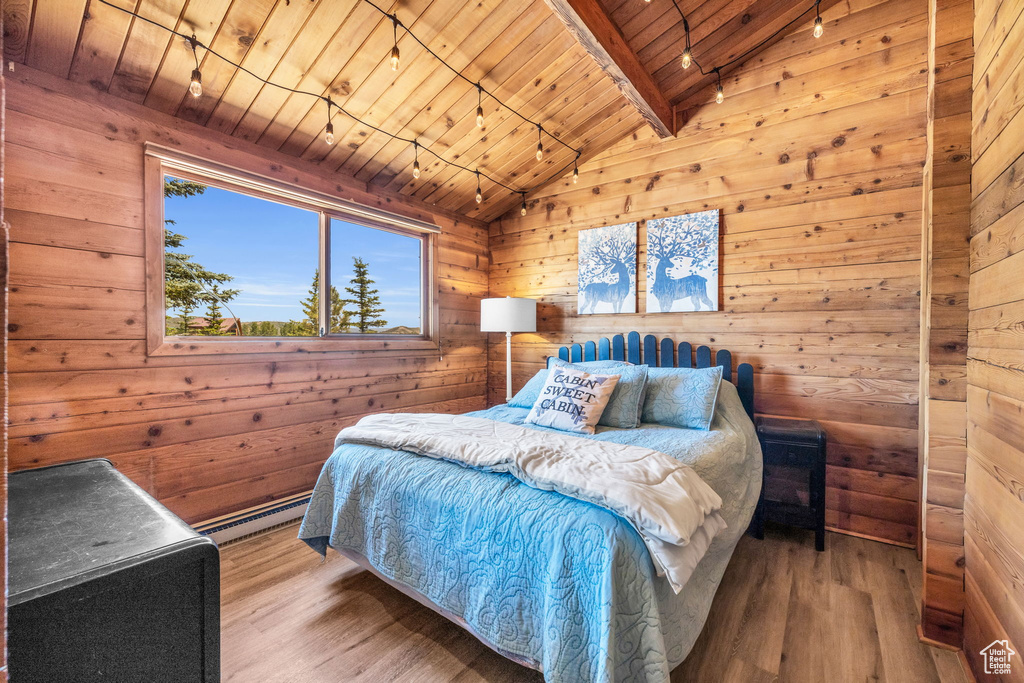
<point x="244" y="523"/>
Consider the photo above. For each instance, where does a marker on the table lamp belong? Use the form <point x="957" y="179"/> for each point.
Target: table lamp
<point x="508" y="315"/>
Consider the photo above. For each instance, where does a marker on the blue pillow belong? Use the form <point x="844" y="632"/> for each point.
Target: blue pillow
<point x="682" y="397"/>
<point x="528" y="395"/>
<point x="624" y="407"/>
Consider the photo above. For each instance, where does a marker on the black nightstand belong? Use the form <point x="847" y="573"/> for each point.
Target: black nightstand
<point x="793" y="489"/>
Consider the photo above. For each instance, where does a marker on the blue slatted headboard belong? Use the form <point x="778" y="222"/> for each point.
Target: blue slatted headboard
<point x="663" y="355"/>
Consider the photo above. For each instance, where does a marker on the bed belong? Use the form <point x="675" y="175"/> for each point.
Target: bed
<point x="557" y="584"/>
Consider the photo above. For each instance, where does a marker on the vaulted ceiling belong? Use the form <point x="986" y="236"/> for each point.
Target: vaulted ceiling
<point x="521" y="50"/>
<point x="720" y="31"/>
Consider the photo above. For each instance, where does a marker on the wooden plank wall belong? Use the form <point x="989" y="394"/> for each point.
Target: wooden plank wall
<point x="815" y="160"/>
<point x="3" y="382"/>
<point x="206" y="435"/>
<point x="994" y="505"/>
<point x="945" y="269"/>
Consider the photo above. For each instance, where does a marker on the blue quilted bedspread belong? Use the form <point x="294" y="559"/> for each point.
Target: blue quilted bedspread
<point x="559" y="584"/>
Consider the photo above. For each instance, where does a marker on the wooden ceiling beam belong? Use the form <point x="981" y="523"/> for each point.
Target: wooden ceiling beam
<point x="601" y="38"/>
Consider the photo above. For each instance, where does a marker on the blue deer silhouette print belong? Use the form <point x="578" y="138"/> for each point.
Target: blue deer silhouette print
<point x="682" y="263"/>
<point x="607" y="270"/>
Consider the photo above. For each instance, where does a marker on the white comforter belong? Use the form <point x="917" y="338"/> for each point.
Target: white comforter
<point x="673" y="509"/>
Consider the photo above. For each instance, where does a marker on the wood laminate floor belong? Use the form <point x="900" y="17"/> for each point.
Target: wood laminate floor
<point x="783" y="613"/>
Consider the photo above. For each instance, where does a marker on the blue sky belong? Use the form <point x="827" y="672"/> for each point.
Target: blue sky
<point x="272" y="252"/>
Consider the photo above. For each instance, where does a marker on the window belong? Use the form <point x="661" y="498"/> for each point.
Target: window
<point x="237" y="265"/>
<point x="378" y="275"/>
<point x="248" y="265"/>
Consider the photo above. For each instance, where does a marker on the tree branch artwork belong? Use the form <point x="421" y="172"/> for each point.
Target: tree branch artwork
<point x="607" y="269"/>
<point x="682" y="263"/>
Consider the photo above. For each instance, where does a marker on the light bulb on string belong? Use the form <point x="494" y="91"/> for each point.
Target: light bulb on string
<point x="819" y="28"/>
<point x="687" y="54"/>
<point x="522" y="210"/>
<point x="396" y="55"/>
<point x="416" y="163"/>
<point x="720" y="93"/>
<point x="540" y="143"/>
<point x="479" y="106"/>
<point x="196" y="85"/>
<point x="329" y="130"/>
<point x="479" y="193"/>
<point x="575" y="173"/>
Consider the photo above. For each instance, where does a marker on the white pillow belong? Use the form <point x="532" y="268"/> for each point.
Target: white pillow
<point x="572" y="400"/>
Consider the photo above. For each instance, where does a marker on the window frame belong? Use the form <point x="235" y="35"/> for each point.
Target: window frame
<point x="161" y="162"/>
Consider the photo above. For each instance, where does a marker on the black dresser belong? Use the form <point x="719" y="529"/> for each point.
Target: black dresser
<point x="793" y="490"/>
<point x="106" y="584"/>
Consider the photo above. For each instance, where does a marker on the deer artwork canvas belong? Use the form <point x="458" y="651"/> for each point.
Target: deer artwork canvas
<point x="682" y="263"/>
<point x="607" y="269"/>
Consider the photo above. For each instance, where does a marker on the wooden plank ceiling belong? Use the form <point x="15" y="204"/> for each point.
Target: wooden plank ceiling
<point x="519" y="50"/>
<point x="720" y="31"/>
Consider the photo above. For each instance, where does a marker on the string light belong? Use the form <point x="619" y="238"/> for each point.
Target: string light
<point x="540" y="143"/>
<point x="329" y="131"/>
<point x="479" y="194"/>
<point x="687" y="53"/>
<point x="458" y="74"/>
<point x="575" y="172"/>
<point x="395" y="54"/>
<point x="196" y="86"/>
<point x="479" y="106"/>
<point x="688" y="59"/>
<point x="522" y="210"/>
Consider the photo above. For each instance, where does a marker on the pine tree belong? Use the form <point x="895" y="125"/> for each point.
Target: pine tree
<point x="214" y="319"/>
<point x="309" y="326"/>
<point x="365" y="299"/>
<point x="261" y="328"/>
<point x="187" y="283"/>
<point x="185" y="316"/>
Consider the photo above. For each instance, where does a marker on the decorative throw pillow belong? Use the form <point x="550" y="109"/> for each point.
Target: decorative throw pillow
<point x="682" y="397"/>
<point x="527" y="396"/>
<point x="626" y="404"/>
<point x="572" y="400"/>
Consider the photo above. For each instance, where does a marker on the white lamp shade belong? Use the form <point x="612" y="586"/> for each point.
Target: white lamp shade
<point x="509" y="314"/>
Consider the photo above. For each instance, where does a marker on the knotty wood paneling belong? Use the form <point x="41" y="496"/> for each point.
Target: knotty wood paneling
<point x="4" y="261"/>
<point x="994" y="503"/>
<point x="944" y="289"/>
<point x="205" y="434"/>
<point x="815" y="160"/>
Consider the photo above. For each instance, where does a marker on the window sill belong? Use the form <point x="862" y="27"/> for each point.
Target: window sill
<point x="198" y="346"/>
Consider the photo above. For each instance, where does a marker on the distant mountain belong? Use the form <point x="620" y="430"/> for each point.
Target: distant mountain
<point x="400" y="329"/>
